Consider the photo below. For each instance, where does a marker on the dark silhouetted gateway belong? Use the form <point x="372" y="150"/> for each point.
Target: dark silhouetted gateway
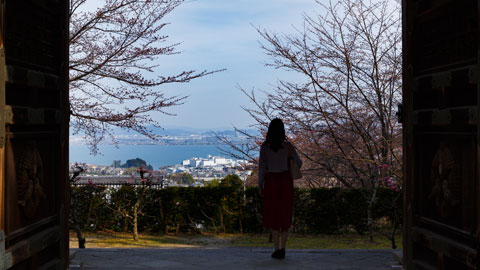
<point x="34" y="187"/>
<point x="441" y="134"/>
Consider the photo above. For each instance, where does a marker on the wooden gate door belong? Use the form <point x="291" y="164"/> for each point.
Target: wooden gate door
<point x="441" y="133"/>
<point x="33" y="134"/>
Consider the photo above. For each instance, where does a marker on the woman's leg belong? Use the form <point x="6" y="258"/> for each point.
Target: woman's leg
<point x="276" y="240"/>
<point x="284" y="236"/>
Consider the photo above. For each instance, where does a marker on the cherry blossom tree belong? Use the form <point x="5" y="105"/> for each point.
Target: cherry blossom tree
<point x="115" y="50"/>
<point x="340" y="113"/>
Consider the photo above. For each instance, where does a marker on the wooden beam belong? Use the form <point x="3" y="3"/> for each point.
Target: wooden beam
<point x="32" y="227"/>
<point x="446" y="246"/>
<point x="32" y="245"/>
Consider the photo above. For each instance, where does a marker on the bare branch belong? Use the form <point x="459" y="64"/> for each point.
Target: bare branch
<point x="114" y="51"/>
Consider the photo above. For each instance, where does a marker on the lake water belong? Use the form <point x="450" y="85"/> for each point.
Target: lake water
<point x="155" y="155"/>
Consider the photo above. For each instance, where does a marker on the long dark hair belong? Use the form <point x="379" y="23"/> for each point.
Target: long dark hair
<point x="275" y="134"/>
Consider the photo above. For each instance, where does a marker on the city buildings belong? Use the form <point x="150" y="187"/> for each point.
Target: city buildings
<point x="202" y="170"/>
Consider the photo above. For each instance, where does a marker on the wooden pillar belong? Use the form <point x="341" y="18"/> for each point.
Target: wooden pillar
<point x="441" y="92"/>
<point x="34" y="114"/>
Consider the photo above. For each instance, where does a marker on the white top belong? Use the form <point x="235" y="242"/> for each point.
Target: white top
<point x="271" y="161"/>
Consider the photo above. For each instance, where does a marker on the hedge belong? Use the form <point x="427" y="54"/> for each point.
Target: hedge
<point x="223" y="209"/>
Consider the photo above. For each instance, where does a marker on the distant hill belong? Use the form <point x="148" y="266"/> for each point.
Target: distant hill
<point x="174" y="136"/>
<point x="174" y="132"/>
<point x="232" y="133"/>
<point x="185" y="131"/>
<point x="137" y="163"/>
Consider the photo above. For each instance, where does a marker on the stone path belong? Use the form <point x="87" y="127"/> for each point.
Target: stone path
<point x="227" y="258"/>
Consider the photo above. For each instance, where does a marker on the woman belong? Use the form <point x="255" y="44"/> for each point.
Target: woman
<point x="276" y="185"/>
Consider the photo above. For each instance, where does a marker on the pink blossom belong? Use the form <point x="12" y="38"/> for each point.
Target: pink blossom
<point x="90" y="182"/>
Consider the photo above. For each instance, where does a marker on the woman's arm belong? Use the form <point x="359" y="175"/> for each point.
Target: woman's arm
<point x="262" y="168"/>
<point x="295" y="155"/>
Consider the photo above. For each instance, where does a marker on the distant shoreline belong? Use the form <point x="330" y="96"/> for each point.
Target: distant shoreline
<point x="156" y="155"/>
<point x="119" y="144"/>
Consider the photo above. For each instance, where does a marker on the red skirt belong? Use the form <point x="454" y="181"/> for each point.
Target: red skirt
<point x="277" y="201"/>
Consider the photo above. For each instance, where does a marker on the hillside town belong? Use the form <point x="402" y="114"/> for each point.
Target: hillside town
<point x="199" y="170"/>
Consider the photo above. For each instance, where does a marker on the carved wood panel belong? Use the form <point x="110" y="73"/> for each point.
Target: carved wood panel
<point x="447" y="173"/>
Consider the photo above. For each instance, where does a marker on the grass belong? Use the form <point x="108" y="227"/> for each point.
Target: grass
<point x="296" y="241"/>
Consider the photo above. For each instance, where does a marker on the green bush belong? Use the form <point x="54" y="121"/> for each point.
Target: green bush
<point x="225" y="208"/>
<point x="324" y="211"/>
<point x="88" y="208"/>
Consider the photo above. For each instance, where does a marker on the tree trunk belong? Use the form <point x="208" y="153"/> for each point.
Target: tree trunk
<point x="370" y="214"/>
<point x="394" y="222"/>
<point x="135" y="220"/>
<point x="125" y="225"/>
<point x="221" y="221"/>
<point x="394" y="231"/>
<point x="90" y="208"/>
<point x="81" y="238"/>
<point x="240" y="221"/>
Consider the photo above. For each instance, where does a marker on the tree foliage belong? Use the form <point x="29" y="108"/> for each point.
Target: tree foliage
<point x="232" y="180"/>
<point x="114" y="52"/>
<point x="224" y="209"/>
<point x="182" y="178"/>
<point x="136" y="163"/>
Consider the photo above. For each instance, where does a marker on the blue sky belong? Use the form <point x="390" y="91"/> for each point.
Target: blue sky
<point x="217" y="34"/>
